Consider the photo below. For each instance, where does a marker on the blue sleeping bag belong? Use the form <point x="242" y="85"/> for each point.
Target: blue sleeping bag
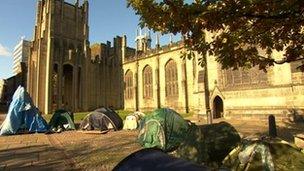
<point x="22" y="115"/>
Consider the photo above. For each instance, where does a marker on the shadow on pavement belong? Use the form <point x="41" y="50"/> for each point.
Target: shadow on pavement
<point x="102" y="153"/>
<point x="3" y="109"/>
<point x="287" y="132"/>
<point x="36" y="157"/>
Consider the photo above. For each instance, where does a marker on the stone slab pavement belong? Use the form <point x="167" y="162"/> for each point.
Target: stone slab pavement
<point x="255" y="127"/>
<point x="32" y="152"/>
<point x="74" y="150"/>
<point x="69" y="150"/>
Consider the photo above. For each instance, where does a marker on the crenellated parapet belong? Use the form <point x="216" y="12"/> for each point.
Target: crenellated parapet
<point x="111" y="54"/>
<point x="155" y="51"/>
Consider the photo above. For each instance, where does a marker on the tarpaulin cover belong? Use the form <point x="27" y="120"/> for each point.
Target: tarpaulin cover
<point x="22" y="115"/>
<point x="208" y="144"/>
<point x="164" y="129"/>
<point x="265" y="154"/>
<point x="155" y="159"/>
<point x="132" y="120"/>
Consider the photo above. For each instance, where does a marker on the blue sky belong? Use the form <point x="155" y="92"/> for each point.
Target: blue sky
<point x="108" y="18"/>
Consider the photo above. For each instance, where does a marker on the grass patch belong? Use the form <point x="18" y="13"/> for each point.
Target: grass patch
<point x="186" y="115"/>
<point x="78" y="117"/>
<point x="47" y="117"/>
<point x="123" y="113"/>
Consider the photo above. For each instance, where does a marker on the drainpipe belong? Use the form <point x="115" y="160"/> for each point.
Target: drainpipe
<point x="186" y="85"/>
<point x="158" y="84"/>
<point x="158" y="74"/>
<point x="136" y="86"/>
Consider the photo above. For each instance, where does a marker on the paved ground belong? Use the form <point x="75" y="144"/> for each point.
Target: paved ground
<point x="79" y="151"/>
<point x="66" y="151"/>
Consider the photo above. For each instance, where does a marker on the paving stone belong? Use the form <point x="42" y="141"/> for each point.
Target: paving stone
<point x="16" y="145"/>
<point x="60" y="151"/>
<point x="3" y="147"/>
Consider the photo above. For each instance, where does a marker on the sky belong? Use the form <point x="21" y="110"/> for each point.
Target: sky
<point x="107" y="19"/>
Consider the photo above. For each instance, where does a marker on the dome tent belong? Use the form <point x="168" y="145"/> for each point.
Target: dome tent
<point x="102" y="119"/>
<point x="22" y="116"/>
<point x="164" y="129"/>
<point x="62" y="119"/>
<point x="265" y="154"/>
<point x="208" y="144"/>
<point x="132" y="120"/>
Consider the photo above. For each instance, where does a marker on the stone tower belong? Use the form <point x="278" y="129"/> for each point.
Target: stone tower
<point x="60" y="56"/>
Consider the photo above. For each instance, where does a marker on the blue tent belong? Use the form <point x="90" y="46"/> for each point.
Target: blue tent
<point x="22" y="115"/>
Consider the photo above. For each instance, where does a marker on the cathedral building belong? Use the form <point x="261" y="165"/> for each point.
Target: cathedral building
<point x="65" y="71"/>
<point x="159" y="77"/>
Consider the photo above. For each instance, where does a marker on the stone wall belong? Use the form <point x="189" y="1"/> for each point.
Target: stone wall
<point x="244" y="93"/>
<point x="60" y="56"/>
<point x="106" y="74"/>
<point x="279" y="95"/>
<point x="186" y="100"/>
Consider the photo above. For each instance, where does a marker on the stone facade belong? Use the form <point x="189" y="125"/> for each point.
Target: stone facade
<point x="233" y="93"/>
<point x="183" y="93"/>
<point x="63" y="73"/>
<point x="106" y="78"/>
<point x="66" y="72"/>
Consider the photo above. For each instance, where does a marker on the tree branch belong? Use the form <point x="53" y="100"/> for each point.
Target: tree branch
<point x="284" y="60"/>
<point x="278" y="16"/>
<point x="281" y="61"/>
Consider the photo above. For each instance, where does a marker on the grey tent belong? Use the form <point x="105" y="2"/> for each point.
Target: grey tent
<point x="102" y="119"/>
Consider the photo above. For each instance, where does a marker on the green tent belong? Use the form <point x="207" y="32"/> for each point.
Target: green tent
<point x="62" y="119"/>
<point x="266" y="154"/>
<point x="164" y="129"/>
<point x="208" y="144"/>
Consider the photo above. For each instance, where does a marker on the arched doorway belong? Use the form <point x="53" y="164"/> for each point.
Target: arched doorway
<point x="67" y="87"/>
<point x="218" y="107"/>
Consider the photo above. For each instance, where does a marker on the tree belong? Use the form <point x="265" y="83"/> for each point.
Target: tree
<point x="239" y="28"/>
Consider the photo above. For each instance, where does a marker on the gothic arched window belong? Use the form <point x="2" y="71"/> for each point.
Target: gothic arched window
<point x="242" y="77"/>
<point x="171" y="79"/>
<point x="147" y="82"/>
<point x="129" y="85"/>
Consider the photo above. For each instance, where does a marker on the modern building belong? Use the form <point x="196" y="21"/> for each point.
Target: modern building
<point x="21" y="54"/>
